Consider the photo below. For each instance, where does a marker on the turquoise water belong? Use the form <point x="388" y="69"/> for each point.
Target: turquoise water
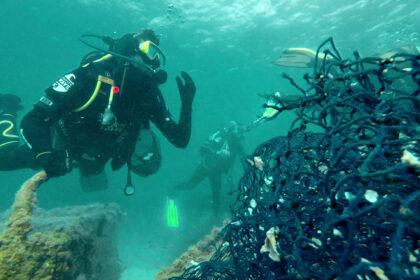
<point x="227" y="47"/>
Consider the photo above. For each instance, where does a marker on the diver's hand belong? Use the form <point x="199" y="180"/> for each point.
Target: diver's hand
<point x="55" y="163"/>
<point x="186" y="90"/>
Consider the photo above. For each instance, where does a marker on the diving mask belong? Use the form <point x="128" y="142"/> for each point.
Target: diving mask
<point x="153" y="53"/>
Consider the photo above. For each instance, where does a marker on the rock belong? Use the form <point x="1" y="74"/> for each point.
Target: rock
<point x="66" y="243"/>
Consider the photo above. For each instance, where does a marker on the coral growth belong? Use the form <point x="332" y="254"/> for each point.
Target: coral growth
<point x="200" y="252"/>
<point x="13" y="247"/>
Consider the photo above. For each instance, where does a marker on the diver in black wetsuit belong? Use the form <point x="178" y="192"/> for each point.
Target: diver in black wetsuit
<point x="95" y="114"/>
<point x="217" y="157"/>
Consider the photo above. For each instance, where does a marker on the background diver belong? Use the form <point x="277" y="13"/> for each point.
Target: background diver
<point x="217" y="157"/>
<point x="98" y="113"/>
<point x="220" y="151"/>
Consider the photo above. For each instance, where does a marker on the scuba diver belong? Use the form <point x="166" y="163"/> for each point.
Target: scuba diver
<point x="217" y="157"/>
<point x="100" y="112"/>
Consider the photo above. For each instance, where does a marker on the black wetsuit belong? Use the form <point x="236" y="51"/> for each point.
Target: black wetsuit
<point x="62" y="119"/>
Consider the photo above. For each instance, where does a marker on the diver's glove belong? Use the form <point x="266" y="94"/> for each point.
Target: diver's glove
<point x="55" y="163"/>
<point x="186" y="90"/>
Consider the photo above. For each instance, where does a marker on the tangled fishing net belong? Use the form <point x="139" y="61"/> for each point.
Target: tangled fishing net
<point x="338" y="197"/>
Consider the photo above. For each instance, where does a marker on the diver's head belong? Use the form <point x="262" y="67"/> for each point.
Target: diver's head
<point x="234" y="130"/>
<point x="141" y="47"/>
<point x="147" y="48"/>
<point x="9" y="103"/>
<point x="148" y="35"/>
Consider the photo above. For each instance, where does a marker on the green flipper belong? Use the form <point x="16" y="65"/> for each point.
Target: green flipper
<point x="172" y="218"/>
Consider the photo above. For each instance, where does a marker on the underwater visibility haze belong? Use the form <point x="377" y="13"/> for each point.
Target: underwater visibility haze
<point x="231" y="50"/>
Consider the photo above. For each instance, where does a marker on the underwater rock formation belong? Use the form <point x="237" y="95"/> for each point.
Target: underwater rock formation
<point x="66" y="243"/>
<point x="338" y="197"/>
<point x="200" y="252"/>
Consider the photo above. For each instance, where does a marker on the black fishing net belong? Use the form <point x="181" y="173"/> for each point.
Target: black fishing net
<point x="338" y="197"/>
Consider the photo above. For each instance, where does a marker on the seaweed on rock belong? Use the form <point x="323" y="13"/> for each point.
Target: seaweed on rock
<point x="66" y="243"/>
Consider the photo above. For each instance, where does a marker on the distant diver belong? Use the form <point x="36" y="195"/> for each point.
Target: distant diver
<point x="217" y="157"/>
<point x="101" y="111"/>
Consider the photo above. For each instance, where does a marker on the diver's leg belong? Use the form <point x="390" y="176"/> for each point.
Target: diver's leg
<point x="215" y="180"/>
<point x="9" y="139"/>
<point x="196" y="178"/>
<point x="12" y="156"/>
<point x="18" y="158"/>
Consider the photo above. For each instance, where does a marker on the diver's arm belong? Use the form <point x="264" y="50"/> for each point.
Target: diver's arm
<point x="178" y="134"/>
<point x="290" y="102"/>
<point x="63" y="96"/>
<point x="35" y="129"/>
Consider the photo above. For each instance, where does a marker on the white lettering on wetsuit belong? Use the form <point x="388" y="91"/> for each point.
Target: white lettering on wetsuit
<point x="46" y="101"/>
<point x="65" y="83"/>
